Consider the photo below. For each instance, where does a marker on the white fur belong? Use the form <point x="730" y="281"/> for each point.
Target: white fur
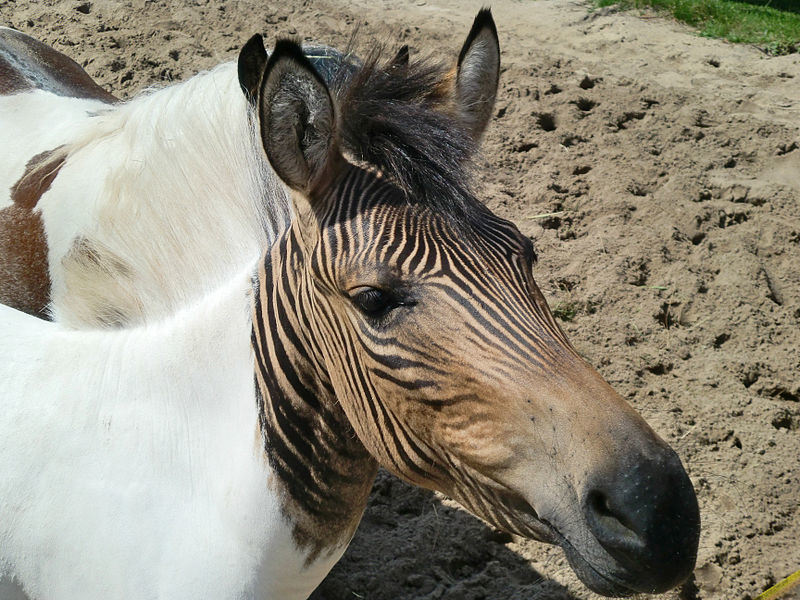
<point x="131" y="464"/>
<point x="36" y="124"/>
<point x="171" y="190"/>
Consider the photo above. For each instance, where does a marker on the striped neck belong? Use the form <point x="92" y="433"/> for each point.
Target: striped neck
<point x="321" y="469"/>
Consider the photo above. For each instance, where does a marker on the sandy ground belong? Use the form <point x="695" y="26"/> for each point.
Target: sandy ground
<point x="672" y="164"/>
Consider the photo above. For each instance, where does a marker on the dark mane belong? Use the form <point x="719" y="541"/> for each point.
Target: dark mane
<point x="393" y="118"/>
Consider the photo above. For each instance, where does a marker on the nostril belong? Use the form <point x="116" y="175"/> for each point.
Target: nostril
<point x="644" y="515"/>
<point x="612" y="527"/>
<point x="599" y="503"/>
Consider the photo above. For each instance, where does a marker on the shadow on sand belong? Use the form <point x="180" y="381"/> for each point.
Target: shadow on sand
<point x="411" y="546"/>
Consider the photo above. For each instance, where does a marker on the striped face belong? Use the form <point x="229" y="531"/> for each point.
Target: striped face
<point x="450" y="367"/>
<point x="413" y="315"/>
<point x="439" y="339"/>
<point x="452" y="371"/>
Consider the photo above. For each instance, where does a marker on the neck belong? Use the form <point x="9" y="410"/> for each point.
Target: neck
<point x="323" y="472"/>
<point x="186" y="188"/>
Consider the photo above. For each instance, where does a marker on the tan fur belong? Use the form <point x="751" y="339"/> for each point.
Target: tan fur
<point x="444" y="92"/>
<point x="113" y="305"/>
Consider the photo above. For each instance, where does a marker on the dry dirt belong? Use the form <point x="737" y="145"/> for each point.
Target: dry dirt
<point x="672" y="166"/>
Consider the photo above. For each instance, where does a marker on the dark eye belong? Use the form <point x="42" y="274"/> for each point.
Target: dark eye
<point x="374" y="302"/>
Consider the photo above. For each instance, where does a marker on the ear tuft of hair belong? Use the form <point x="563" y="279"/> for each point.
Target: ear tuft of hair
<point x="391" y="119"/>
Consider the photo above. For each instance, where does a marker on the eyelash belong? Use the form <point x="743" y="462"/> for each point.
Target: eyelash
<point x="376" y="303"/>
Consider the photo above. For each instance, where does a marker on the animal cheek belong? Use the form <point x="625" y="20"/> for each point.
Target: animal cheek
<point x="480" y="441"/>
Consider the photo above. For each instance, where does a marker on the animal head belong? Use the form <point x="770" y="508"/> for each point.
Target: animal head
<point x="432" y="332"/>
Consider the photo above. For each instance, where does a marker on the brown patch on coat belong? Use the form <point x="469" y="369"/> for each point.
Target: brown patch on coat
<point x="24" y="273"/>
<point x="11" y="80"/>
<point x="27" y="64"/>
<point x="40" y="172"/>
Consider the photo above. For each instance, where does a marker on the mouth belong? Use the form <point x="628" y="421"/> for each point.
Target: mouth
<point x="525" y="521"/>
<point x="522" y="519"/>
<point x="596" y="581"/>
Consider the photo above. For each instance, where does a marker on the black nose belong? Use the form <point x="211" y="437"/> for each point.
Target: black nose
<point x="645" y="515"/>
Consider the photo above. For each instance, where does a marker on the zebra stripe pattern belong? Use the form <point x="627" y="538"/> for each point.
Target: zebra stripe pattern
<point x="398" y="323"/>
<point x="320" y="368"/>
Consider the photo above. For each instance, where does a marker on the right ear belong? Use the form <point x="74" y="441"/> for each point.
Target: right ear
<point x="252" y="60"/>
<point x="474" y="88"/>
<point x="297" y="119"/>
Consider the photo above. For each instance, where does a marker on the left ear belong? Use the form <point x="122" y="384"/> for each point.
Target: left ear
<point x="251" y="64"/>
<point x="477" y="75"/>
<point x="297" y="119"/>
